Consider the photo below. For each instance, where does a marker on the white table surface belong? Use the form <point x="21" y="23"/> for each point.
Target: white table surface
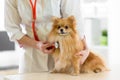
<point x="114" y="74"/>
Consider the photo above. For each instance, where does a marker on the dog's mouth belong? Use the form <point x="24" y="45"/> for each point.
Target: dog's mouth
<point x="62" y="32"/>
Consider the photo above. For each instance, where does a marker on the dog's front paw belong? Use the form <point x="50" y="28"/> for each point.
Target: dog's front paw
<point x="53" y="71"/>
<point x="75" y="74"/>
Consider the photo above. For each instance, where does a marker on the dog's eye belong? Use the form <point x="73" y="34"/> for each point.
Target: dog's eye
<point x="66" y="27"/>
<point x="58" y="27"/>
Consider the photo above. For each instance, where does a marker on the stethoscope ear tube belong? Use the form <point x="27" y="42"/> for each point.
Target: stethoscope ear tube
<point x="34" y="19"/>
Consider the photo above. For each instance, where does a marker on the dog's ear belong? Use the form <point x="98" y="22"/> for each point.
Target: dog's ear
<point x="55" y="19"/>
<point x="72" y="19"/>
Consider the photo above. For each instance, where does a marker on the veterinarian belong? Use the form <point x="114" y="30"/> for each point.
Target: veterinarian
<point x="35" y="16"/>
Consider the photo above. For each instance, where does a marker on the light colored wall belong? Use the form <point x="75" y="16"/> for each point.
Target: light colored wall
<point x="114" y="31"/>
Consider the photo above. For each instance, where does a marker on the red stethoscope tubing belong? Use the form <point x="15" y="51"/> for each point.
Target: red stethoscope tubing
<point x="33" y="22"/>
<point x="33" y="5"/>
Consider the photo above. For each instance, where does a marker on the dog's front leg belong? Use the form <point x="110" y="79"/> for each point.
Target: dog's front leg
<point x="76" y="67"/>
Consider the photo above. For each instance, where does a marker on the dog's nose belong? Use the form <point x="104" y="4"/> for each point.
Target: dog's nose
<point x="61" y="30"/>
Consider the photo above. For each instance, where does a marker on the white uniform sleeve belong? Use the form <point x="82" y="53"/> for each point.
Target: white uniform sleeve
<point x="73" y="7"/>
<point x="12" y="20"/>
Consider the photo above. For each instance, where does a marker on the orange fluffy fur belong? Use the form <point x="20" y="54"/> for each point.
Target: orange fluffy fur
<point x="64" y="32"/>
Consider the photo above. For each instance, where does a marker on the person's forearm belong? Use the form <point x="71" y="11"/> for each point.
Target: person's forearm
<point x="27" y="41"/>
<point x="84" y="43"/>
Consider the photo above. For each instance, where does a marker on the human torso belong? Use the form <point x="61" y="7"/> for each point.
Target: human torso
<point x="45" y="10"/>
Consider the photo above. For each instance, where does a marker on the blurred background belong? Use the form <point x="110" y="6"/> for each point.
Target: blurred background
<point x="101" y="23"/>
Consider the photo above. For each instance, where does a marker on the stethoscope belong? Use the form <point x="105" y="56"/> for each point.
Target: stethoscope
<point x="33" y="5"/>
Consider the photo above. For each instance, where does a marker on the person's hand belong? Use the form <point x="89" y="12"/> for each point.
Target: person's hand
<point x="46" y="47"/>
<point x="84" y="53"/>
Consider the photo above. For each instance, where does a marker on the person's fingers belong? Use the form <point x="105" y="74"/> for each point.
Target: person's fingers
<point x="47" y="47"/>
<point x="81" y="62"/>
<point x="81" y="53"/>
<point x="53" y="44"/>
<point x="48" y="51"/>
<point x="86" y="53"/>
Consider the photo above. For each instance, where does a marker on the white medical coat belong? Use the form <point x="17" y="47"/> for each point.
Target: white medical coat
<point x="19" y="12"/>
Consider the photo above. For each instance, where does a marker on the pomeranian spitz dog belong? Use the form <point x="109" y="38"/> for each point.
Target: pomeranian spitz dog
<point x="69" y="43"/>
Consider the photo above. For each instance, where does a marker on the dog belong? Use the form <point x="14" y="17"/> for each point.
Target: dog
<point x="65" y="35"/>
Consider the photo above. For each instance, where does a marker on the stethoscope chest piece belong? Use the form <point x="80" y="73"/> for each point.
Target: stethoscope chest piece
<point x="56" y="44"/>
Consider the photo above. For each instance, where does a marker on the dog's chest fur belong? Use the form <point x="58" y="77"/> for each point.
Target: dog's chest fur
<point x="68" y="46"/>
